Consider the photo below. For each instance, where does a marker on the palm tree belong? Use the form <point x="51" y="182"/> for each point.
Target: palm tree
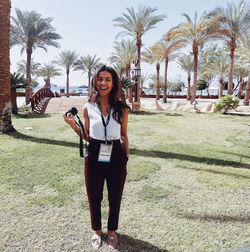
<point x="34" y="70"/>
<point x="5" y="104"/>
<point x="125" y="54"/>
<point x="243" y="52"/>
<point x="153" y="81"/>
<point x="219" y="66"/>
<point x="196" y="32"/>
<point x="30" y="31"/>
<point x="154" y="55"/>
<point x="87" y="64"/>
<point x="16" y="81"/>
<point x="49" y="71"/>
<point x="135" y="24"/>
<point x="234" y="22"/>
<point x="241" y="71"/>
<point x="66" y="59"/>
<point x="186" y="62"/>
<point x="168" y="48"/>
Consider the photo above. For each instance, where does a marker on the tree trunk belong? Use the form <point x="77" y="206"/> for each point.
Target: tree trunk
<point x="67" y="83"/>
<point x="195" y="52"/>
<point x="137" y="89"/>
<point x="165" y="88"/>
<point x="189" y="87"/>
<point x="221" y="87"/>
<point x="158" y="81"/>
<point x="28" y="92"/>
<point x="247" y="94"/>
<point x="231" y="72"/>
<point x="13" y="101"/>
<point x="5" y="96"/>
<point x="127" y="70"/>
<point x="240" y="88"/>
<point x="89" y="84"/>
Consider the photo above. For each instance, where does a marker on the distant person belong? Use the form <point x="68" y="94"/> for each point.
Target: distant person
<point x="105" y="121"/>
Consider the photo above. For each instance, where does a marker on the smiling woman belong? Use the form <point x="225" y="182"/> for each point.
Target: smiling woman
<point x="105" y="122"/>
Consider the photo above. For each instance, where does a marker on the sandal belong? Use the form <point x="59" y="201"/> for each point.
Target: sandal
<point x="113" y="241"/>
<point x="96" y="241"/>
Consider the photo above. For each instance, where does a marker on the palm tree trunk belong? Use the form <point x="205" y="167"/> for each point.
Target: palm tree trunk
<point x="231" y="72"/>
<point x="28" y="93"/>
<point x="89" y="77"/>
<point x="195" y="52"/>
<point x="127" y="70"/>
<point x="247" y="94"/>
<point x="5" y="96"/>
<point x="189" y="88"/>
<point x="158" y="81"/>
<point x="165" y="81"/>
<point x="221" y="87"/>
<point x="67" y="83"/>
<point x="137" y="89"/>
<point x="240" y="88"/>
<point x="13" y="101"/>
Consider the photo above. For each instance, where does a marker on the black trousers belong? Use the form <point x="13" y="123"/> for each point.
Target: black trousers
<point x="114" y="172"/>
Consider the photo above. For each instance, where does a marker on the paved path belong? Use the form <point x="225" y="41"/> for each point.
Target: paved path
<point x="63" y="104"/>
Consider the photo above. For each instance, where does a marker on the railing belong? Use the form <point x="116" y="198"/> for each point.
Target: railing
<point x="39" y="96"/>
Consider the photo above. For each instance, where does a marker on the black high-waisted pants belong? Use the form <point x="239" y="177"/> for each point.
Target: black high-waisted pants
<point x="114" y="172"/>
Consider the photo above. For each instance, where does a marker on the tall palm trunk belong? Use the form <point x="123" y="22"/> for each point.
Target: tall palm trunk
<point x="28" y="92"/>
<point x="129" y="93"/>
<point x="13" y="101"/>
<point x="247" y="94"/>
<point x="231" y="72"/>
<point x="158" y="81"/>
<point x="67" y="83"/>
<point x="137" y="86"/>
<point x="189" y="87"/>
<point x="221" y="87"/>
<point x="165" y="81"/>
<point x="240" y="88"/>
<point x="5" y="98"/>
<point x="195" y="52"/>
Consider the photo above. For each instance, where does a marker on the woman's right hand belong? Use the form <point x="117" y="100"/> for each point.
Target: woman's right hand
<point x="69" y="119"/>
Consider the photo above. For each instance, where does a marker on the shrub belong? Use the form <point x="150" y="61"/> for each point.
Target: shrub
<point x="226" y="103"/>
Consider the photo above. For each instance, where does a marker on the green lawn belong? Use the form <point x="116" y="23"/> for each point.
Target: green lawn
<point x="187" y="187"/>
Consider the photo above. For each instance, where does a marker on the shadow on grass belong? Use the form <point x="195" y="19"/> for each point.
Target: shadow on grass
<point x="32" y="116"/>
<point x="22" y="136"/>
<point x="128" y="243"/>
<point x="219" y="172"/>
<point x="144" y="113"/>
<point x="172" y="114"/>
<point x="185" y="157"/>
<point x="219" y="217"/>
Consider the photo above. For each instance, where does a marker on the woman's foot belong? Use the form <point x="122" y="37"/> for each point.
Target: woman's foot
<point x="112" y="239"/>
<point x="96" y="239"/>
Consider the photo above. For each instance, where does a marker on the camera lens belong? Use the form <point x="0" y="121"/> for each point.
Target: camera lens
<point x="73" y="111"/>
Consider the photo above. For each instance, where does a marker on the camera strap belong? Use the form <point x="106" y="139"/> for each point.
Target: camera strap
<point x="82" y="130"/>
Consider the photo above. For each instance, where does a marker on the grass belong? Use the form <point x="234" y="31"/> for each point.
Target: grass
<point x="187" y="186"/>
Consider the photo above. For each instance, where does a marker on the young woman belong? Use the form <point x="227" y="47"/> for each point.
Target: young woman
<point x="105" y="122"/>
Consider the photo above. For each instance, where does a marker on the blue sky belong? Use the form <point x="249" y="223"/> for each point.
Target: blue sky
<point x="87" y="28"/>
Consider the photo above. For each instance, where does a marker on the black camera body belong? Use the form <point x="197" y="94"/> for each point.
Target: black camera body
<point x="73" y="111"/>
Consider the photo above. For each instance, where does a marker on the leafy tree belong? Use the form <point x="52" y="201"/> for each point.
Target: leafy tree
<point x="136" y="24"/>
<point x="34" y="70"/>
<point x="196" y="32"/>
<point x="226" y="103"/>
<point x="66" y="59"/>
<point x="154" y="55"/>
<point x="125" y="54"/>
<point x="201" y="85"/>
<point x="49" y="71"/>
<point x="187" y="64"/>
<point x="16" y="81"/>
<point x="176" y="87"/>
<point x="153" y="81"/>
<point x="234" y="22"/>
<point x="30" y="30"/>
<point x="87" y="64"/>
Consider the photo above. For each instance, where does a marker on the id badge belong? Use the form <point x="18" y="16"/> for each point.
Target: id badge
<point x="105" y="152"/>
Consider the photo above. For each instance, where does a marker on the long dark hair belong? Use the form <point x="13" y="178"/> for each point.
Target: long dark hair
<point x="115" y="100"/>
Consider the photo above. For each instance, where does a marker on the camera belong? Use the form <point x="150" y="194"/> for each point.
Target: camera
<point x="73" y="111"/>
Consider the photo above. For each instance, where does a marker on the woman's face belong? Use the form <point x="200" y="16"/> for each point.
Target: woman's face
<point x="104" y="83"/>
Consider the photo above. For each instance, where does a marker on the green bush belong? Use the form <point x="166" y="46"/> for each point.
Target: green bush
<point x="226" y="103"/>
